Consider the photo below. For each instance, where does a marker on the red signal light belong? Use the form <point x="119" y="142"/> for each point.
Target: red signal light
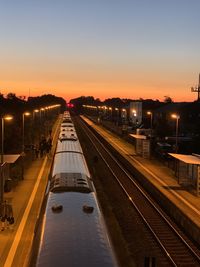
<point x="70" y="105"/>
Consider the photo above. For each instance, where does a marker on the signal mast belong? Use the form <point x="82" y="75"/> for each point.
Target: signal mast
<point x="197" y="90"/>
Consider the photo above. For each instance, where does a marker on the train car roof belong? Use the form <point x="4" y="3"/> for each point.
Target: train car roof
<point x="74" y="236"/>
<point x="68" y="146"/>
<point x="66" y="113"/>
<point x="67" y="124"/>
<point x="66" y="120"/>
<point x="72" y="129"/>
<point x="69" y="162"/>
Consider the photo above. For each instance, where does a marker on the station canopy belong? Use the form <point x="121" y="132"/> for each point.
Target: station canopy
<point x="11" y="158"/>
<point x="190" y="159"/>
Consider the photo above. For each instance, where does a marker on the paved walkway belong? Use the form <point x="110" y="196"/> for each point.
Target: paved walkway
<point x="157" y="173"/>
<point x="26" y="199"/>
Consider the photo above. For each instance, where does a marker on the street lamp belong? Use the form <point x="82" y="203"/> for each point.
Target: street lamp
<point x="134" y="113"/>
<point x="35" y="111"/>
<point x="41" y="121"/>
<point x="7" y="118"/>
<point x="177" y="117"/>
<point x="117" y="116"/>
<point x="34" y="122"/>
<point x="110" y="112"/>
<point x="151" y="117"/>
<point x="23" y="119"/>
<point x="134" y="116"/>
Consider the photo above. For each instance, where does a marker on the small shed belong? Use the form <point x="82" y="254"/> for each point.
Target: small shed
<point x="5" y="172"/>
<point x="142" y="145"/>
<point x="188" y="169"/>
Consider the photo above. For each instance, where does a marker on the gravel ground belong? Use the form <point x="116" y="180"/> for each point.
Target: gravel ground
<point x="128" y="235"/>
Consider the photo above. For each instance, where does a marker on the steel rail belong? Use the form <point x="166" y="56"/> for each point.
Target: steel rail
<point x="168" y="254"/>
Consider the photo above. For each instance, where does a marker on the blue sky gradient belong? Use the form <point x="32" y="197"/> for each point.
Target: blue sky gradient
<point x="107" y="48"/>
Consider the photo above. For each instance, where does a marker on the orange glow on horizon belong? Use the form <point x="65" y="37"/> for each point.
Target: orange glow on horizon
<point x="70" y="90"/>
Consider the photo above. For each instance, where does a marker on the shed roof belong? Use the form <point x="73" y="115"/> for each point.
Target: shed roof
<point x="11" y="158"/>
<point x="190" y="159"/>
<point x="138" y="136"/>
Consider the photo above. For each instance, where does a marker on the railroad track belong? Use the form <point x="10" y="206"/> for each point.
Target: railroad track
<point x="175" y="247"/>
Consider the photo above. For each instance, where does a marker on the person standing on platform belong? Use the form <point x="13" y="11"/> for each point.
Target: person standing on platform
<point x="37" y="151"/>
<point x="6" y="214"/>
<point x="42" y="146"/>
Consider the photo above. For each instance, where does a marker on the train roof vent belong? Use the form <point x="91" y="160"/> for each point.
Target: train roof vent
<point x="88" y="209"/>
<point x="73" y="182"/>
<point x="57" y="208"/>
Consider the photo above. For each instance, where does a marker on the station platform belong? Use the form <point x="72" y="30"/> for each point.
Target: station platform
<point x="161" y="177"/>
<point x="26" y="199"/>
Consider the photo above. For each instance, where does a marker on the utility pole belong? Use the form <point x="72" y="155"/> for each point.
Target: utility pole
<point x="197" y="90"/>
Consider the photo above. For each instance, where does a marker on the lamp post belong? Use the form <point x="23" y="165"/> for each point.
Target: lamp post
<point x="35" y="111"/>
<point x="134" y="116"/>
<point x="117" y="116"/>
<point x="151" y="118"/>
<point x="177" y="117"/>
<point x="41" y="122"/>
<point x="110" y="109"/>
<point x="23" y="119"/>
<point x="34" y="122"/>
<point x="8" y="118"/>
<point x="123" y="112"/>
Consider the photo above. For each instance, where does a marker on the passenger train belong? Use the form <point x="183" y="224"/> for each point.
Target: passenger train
<point x="73" y="231"/>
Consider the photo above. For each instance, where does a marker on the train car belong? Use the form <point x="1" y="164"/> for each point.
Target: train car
<point x="73" y="231"/>
<point x="67" y="125"/>
<point x="67" y="135"/>
<point x="66" y="114"/>
<point x="67" y="119"/>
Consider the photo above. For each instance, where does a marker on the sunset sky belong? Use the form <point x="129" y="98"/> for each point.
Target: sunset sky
<point x="101" y="48"/>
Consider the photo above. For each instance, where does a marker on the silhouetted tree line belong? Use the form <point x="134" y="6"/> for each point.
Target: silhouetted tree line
<point x="34" y="125"/>
<point x="163" y="124"/>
